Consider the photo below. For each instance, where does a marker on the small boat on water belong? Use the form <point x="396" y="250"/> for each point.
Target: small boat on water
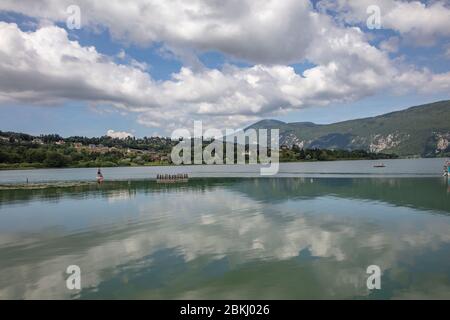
<point x="379" y="165"/>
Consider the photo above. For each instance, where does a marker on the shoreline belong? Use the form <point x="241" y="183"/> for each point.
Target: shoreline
<point x="75" y="167"/>
<point x="182" y="165"/>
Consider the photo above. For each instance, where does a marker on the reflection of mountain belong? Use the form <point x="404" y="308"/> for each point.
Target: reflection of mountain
<point x="425" y="193"/>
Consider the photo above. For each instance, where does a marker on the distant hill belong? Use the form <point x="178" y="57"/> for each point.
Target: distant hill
<point x="417" y="131"/>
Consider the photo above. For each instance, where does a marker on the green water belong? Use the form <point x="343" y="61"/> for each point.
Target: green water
<point x="254" y="238"/>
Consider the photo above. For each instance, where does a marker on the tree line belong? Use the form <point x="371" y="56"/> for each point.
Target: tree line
<point x="18" y="150"/>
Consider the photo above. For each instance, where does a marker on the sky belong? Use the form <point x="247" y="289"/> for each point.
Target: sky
<point x="149" y="67"/>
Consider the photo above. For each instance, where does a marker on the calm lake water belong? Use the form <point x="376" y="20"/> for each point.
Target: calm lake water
<point x="290" y="237"/>
<point x="353" y="168"/>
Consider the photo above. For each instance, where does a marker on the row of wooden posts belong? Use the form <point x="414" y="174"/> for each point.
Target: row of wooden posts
<point x="171" y="178"/>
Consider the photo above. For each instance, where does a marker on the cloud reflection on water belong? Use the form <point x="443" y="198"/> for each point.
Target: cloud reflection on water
<point x="320" y="243"/>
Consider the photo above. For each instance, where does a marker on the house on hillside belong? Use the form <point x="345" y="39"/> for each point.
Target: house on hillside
<point x="98" y="148"/>
<point x="37" y="141"/>
<point x="78" y="145"/>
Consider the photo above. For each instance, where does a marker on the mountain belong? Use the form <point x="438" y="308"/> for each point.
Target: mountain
<point x="417" y="131"/>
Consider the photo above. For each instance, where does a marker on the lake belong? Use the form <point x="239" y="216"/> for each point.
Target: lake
<point x="351" y="168"/>
<point x="309" y="233"/>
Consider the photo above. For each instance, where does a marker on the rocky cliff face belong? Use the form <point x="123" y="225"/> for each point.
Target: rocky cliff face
<point x="385" y="142"/>
<point x="438" y="144"/>
<point x="442" y="143"/>
<point x="373" y="143"/>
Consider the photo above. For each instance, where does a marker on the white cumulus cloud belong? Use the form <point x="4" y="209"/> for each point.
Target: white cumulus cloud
<point x="118" y="134"/>
<point x="420" y="23"/>
<point x="45" y="67"/>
